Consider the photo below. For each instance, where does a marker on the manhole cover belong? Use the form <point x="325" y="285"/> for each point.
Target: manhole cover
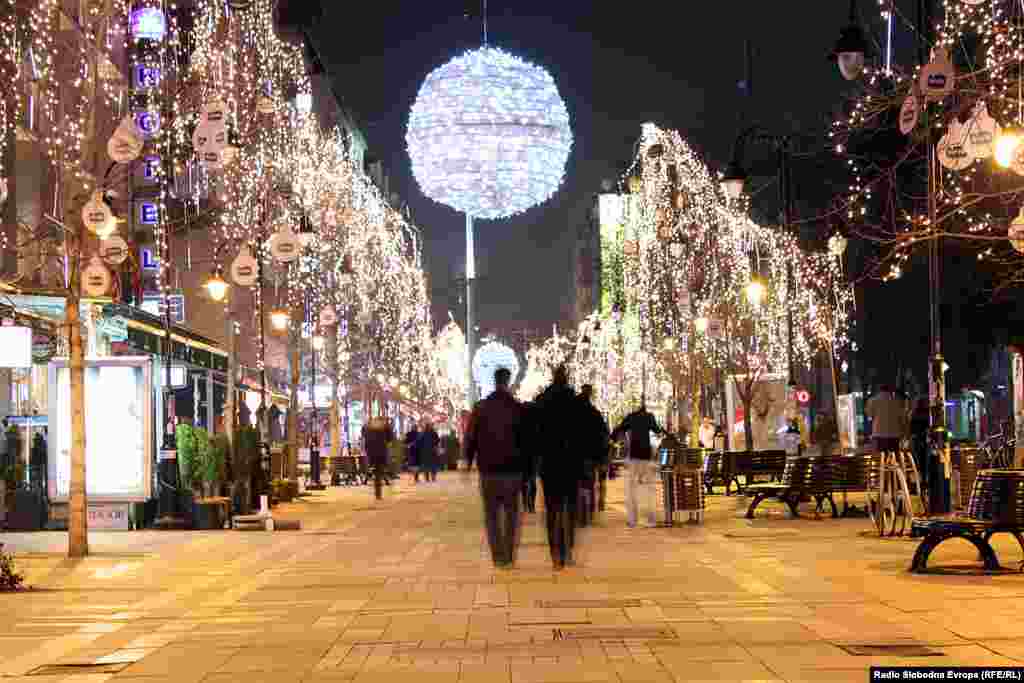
<point x="576" y="604"/>
<point x="615" y="634"/>
<point x="66" y="669"/>
<point x="891" y="650"/>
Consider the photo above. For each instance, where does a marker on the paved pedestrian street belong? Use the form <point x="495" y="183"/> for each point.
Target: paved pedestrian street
<point x="403" y="590"/>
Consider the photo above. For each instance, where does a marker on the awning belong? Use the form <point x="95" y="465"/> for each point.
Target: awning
<point x="146" y="332"/>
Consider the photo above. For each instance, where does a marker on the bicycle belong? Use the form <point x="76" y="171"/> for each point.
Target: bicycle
<point x="893" y="507"/>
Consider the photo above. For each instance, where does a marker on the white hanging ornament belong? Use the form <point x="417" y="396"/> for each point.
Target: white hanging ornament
<point x="114" y="250"/>
<point x="214" y="112"/>
<point x="125" y="144"/>
<point x="684" y="299"/>
<point x="676" y="249"/>
<point x="95" y="278"/>
<point x="96" y="215"/>
<point x="1015" y="233"/>
<point x="286" y="246"/>
<point x="244" y="269"/>
<point x="952" y="151"/>
<point x="3" y="190"/>
<point x="328" y="316"/>
<point x="265" y="104"/>
<point x="909" y="113"/>
<point x="981" y="133"/>
<point x="938" y="77"/>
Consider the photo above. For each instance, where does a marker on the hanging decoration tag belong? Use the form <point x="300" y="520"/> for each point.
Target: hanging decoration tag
<point x="114" y="250"/>
<point x="95" y="278"/>
<point x="952" y="152"/>
<point x="125" y="144"/>
<point x="716" y="330"/>
<point x="909" y="113"/>
<point x="938" y="77"/>
<point x="3" y="190"/>
<point x="286" y="246"/>
<point x="684" y="300"/>
<point x="244" y="269"/>
<point x="328" y="316"/>
<point x="981" y="132"/>
<point x="1015" y="233"/>
<point x="96" y="215"/>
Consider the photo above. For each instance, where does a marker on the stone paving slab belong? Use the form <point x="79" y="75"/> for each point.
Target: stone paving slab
<point x="403" y="590"/>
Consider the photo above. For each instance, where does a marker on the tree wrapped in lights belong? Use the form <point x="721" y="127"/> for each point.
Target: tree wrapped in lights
<point x="945" y="160"/>
<point x="691" y="259"/>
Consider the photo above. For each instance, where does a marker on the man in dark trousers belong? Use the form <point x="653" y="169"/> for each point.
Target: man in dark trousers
<point x="412" y="459"/>
<point x="595" y="435"/>
<point x="529" y="443"/>
<point x="494" y="440"/>
<point x="641" y="470"/>
<point x="560" y="424"/>
<point x="377" y="434"/>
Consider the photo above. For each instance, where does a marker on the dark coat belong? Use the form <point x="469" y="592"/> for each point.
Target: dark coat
<point x="412" y="454"/>
<point x="376" y="436"/>
<point x="639" y="424"/>
<point x="495" y="435"/>
<point x="427" y="449"/>
<point x="561" y="422"/>
<point x="595" y="434"/>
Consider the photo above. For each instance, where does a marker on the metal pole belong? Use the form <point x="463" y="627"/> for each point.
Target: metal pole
<point x="470" y="332"/>
<point x="314" y="445"/>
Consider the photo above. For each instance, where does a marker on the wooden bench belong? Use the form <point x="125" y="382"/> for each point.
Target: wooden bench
<point x="802" y="478"/>
<point x="977" y="532"/>
<point x="726" y="468"/>
<point x="996" y="506"/>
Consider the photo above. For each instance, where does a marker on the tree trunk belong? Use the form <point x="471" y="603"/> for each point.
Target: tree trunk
<point x="292" y="437"/>
<point x="748" y="423"/>
<point x="695" y="400"/>
<point x="78" y="539"/>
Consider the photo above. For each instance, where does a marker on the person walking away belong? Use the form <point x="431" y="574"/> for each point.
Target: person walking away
<point x="412" y="459"/>
<point x="706" y="436"/>
<point x="494" y="441"/>
<point x="377" y="434"/>
<point x="561" y="423"/>
<point x="888" y="415"/>
<point x="427" y="450"/>
<point x="595" y="434"/>
<point x="920" y="421"/>
<point x="641" y="470"/>
<point x="529" y="444"/>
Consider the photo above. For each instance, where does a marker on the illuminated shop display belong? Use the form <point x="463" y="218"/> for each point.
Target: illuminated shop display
<point x="118" y="429"/>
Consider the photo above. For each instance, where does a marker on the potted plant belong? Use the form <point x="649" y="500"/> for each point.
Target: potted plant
<point x="185" y="439"/>
<point x="207" y="473"/>
<point x="245" y="470"/>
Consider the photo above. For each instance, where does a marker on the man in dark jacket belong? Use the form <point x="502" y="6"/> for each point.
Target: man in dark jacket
<point x="641" y="471"/>
<point x="377" y="434"/>
<point x="494" y="440"/>
<point x="427" y="451"/>
<point x="560" y="424"/>
<point x="595" y="454"/>
<point x="412" y="459"/>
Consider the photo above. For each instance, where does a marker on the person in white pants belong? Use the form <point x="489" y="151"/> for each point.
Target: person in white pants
<point x="641" y="469"/>
<point x="641" y="476"/>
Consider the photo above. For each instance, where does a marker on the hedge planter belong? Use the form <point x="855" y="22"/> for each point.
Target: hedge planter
<point x="209" y="513"/>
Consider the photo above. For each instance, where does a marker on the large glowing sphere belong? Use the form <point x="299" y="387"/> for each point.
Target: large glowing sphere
<point x="489" y="358"/>
<point x="489" y="135"/>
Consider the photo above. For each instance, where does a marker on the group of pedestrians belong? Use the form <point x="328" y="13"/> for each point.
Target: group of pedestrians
<point x="559" y="437"/>
<point x="423" y="453"/>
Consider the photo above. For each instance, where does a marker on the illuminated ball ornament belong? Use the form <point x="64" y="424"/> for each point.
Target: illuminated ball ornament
<point x="489" y="135"/>
<point x="1016" y="232"/>
<point x="489" y="358"/>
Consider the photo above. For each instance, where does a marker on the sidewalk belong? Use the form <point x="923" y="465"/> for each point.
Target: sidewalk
<point x="403" y="590"/>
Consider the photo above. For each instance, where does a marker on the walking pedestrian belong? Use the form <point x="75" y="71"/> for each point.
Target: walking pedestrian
<point x="427" y="450"/>
<point x="494" y="440"/>
<point x="888" y="415"/>
<point x="412" y="459"/>
<point x="560" y="425"/>
<point x="595" y="454"/>
<point x="377" y="434"/>
<point x="641" y="470"/>
<point x="529" y="443"/>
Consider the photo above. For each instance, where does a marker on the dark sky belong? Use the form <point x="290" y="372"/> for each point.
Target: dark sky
<point x="616" y="67"/>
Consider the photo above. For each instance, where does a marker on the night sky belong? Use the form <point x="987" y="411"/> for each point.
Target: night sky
<point x="616" y="66"/>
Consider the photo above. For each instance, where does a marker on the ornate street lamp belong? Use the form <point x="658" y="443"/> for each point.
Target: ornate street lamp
<point x="279" y="319"/>
<point x="851" y="47"/>
<point x="216" y="286"/>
